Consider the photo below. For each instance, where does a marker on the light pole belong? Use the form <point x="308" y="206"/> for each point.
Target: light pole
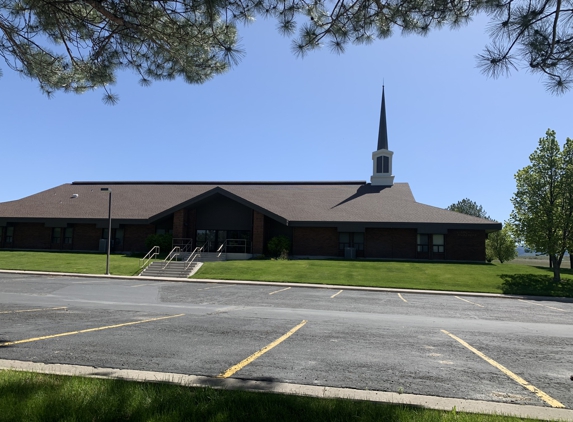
<point x="108" y="231"/>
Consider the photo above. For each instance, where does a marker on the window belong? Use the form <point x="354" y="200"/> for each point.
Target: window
<point x="382" y="164"/>
<point x="56" y="235"/>
<point x="423" y="242"/>
<point x="438" y="243"/>
<point x="351" y="240"/>
<point x="9" y="234"/>
<point x="68" y="235"/>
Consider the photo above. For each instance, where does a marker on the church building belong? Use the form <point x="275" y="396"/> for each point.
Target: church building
<point x="380" y="219"/>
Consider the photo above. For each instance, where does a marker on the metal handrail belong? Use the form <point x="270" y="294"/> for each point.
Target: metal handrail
<point x="185" y="243"/>
<point x="173" y="254"/>
<point x="193" y="255"/>
<point x="144" y="262"/>
<point x="237" y="243"/>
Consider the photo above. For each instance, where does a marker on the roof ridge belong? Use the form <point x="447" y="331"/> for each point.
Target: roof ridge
<point x="355" y="182"/>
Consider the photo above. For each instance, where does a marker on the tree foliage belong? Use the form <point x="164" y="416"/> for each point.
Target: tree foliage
<point x="543" y="202"/>
<point x="469" y="207"/>
<point x="164" y="241"/>
<point x="78" y="45"/>
<point x="279" y="247"/>
<point x="500" y="245"/>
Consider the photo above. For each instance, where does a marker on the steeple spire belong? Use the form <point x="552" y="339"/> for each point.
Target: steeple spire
<point x="383" y="131"/>
<point x="382" y="158"/>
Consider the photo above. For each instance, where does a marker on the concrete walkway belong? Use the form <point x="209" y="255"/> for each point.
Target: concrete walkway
<point x="439" y="403"/>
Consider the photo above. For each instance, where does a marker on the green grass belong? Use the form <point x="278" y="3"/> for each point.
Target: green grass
<point x="488" y="278"/>
<point x="506" y="278"/>
<point x="33" y="397"/>
<point x="68" y="262"/>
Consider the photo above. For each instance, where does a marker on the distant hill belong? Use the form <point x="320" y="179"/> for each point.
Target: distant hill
<point x="521" y="252"/>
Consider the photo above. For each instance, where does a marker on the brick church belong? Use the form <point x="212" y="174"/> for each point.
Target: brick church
<point x="380" y="219"/>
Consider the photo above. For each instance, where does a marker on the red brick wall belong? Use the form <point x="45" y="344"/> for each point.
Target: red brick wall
<point x="465" y="245"/>
<point x="134" y="237"/>
<point x="86" y="237"/>
<point x="179" y="220"/>
<point x="32" y="236"/>
<point x="258" y="233"/>
<point x="390" y="243"/>
<point x="315" y="241"/>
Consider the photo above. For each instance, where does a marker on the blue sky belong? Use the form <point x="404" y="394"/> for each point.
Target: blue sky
<point x="454" y="132"/>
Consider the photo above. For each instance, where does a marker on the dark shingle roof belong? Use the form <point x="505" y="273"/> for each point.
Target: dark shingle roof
<point x="289" y="202"/>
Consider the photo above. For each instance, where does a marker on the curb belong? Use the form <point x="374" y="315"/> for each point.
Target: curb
<point x="430" y="402"/>
<point x="300" y="285"/>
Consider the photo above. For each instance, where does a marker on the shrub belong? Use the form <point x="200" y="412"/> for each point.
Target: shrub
<point x="279" y="247"/>
<point x="164" y="241"/>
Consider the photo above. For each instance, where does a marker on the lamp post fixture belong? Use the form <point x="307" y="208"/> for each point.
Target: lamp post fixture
<point x="108" y="231"/>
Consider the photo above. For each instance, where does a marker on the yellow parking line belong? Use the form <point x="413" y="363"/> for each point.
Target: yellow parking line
<point x="473" y="303"/>
<point x="539" y="304"/>
<point x="10" y="343"/>
<point x="546" y="398"/>
<point x="400" y="296"/>
<point x="261" y="352"/>
<point x="336" y="294"/>
<point x="32" y="310"/>
<point x="282" y="290"/>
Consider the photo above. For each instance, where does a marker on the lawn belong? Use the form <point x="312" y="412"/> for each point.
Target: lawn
<point x="83" y="263"/>
<point x="488" y="278"/>
<point x="506" y="278"/>
<point x="33" y="397"/>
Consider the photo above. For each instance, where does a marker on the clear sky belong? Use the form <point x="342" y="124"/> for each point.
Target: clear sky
<point x="455" y="133"/>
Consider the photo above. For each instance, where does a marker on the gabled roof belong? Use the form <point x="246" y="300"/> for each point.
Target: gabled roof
<point x="292" y="203"/>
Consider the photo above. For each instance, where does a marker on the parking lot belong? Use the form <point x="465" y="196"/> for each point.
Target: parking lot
<point x="501" y="350"/>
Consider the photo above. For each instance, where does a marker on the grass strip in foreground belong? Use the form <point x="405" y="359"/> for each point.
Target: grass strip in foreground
<point x="40" y="397"/>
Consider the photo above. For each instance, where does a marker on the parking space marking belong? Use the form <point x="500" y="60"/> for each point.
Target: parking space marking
<point x="29" y="340"/>
<point x="282" y="290"/>
<point x="336" y="294"/>
<point x="539" y="304"/>
<point x="400" y="296"/>
<point x="147" y="284"/>
<point x="473" y="303"/>
<point x="261" y="352"/>
<point x="216" y="287"/>
<point x="32" y="310"/>
<point x="543" y="396"/>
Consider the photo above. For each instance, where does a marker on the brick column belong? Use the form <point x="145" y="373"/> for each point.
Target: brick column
<point x="179" y="224"/>
<point x="258" y="233"/>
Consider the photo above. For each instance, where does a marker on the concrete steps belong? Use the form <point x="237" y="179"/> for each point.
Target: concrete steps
<point x="175" y="269"/>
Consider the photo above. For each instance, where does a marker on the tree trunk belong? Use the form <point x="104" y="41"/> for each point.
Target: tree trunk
<point x="556" y="269"/>
<point x="550" y="261"/>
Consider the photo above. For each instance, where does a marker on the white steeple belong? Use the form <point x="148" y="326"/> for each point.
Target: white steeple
<point x="382" y="158"/>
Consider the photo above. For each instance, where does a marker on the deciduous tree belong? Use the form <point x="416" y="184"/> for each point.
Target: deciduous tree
<point x="542" y="217"/>
<point x="78" y="45"/>
<point x="500" y="245"/>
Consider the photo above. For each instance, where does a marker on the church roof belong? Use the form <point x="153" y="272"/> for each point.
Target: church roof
<point x="292" y="203"/>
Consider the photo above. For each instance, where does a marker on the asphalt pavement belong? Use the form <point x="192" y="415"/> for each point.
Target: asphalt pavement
<point x="493" y="354"/>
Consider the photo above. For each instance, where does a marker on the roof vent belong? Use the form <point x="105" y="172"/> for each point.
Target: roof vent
<point x="75" y="195"/>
